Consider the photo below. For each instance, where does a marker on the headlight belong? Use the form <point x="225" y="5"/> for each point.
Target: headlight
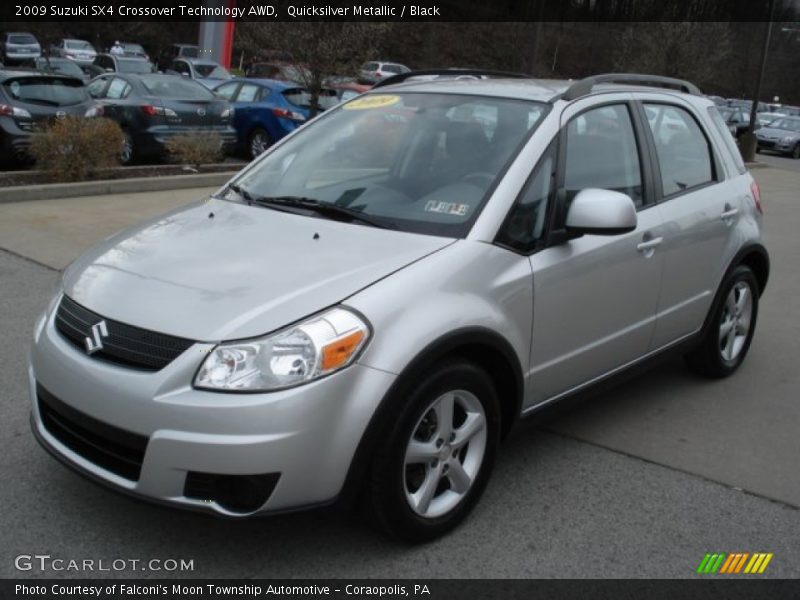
<point x="788" y="139"/>
<point x="307" y="351"/>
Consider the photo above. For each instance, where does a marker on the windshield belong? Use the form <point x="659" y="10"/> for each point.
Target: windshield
<point x="55" y="65"/>
<point x="412" y="161"/>
<point x="133" y="49"/>
<point x="784" y="123"/>
<point x="44" y="90"/>
<point x="134" y="66"/>
<point x="212" y="71"/>
<point x="189" y="51"/>
<point x="79" y="45"/>
<point x="166" y="86"/>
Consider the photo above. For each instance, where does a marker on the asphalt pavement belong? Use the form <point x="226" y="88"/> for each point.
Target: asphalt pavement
<point x="641" y="481"/>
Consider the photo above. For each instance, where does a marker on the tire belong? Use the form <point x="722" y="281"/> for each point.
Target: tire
<point x="127" y="155"/>
<point x="730" y="329"/>
<point x="415" y="476"/>
<point x="796" y="151"/>
<point x="258" y="141"/>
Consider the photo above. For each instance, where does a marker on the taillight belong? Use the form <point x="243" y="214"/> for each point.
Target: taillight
<point x="152" y="111"/>
<point x="757" y="197"/>
<point x="288" y="114"/>
<point x="69" y="55"/>
<point x="94" y="111"/>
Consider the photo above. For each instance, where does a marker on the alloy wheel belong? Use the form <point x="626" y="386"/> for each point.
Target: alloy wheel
<point x="735" y="321"/>
<point x="444" y="453"/>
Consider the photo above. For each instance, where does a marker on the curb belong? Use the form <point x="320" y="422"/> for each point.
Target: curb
<point x="52" y="191"/>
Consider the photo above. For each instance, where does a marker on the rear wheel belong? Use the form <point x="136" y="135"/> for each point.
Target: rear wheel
<point x="258" y="142"/>
<point x="433" y="463"/>
<point x="731" y="328"/>
<point x="127" y="153"/>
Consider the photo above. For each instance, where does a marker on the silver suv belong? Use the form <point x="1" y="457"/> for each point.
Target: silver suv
<point x="367" y="308"/>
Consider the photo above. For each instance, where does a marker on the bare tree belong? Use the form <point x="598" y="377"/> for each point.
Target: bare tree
<point x="324" y="49"/>
<point x="690" y="50"/>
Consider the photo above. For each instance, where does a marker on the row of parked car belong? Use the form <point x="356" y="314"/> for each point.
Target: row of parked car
<point x="777" y="125"/>
<point x="180" y="93"/>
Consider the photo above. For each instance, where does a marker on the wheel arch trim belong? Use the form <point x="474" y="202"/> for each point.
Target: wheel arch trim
<point x="461" y="342"/>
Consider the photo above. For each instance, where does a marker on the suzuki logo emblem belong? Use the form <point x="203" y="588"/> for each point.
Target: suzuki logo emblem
<point x="201" y="112"/>
<point x="95" y="343"/>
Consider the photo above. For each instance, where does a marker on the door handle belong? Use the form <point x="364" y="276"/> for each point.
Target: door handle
<point x="650" y="244"/>
<point x="729" y="213"/>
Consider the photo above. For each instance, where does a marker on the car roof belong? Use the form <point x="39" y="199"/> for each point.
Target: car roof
<point x="199" y="61"/>
<point x="8" y="74"/>
<point x="270" y="83"/>
<point x="541" y="90"/>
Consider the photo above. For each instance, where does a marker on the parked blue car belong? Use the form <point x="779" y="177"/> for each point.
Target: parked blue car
<point x="267" y="109"/>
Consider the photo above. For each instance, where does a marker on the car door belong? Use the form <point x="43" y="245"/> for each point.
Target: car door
<point x="250" y="108"/>
<point x="595" y="297"/>
<point x="700" y="209"/>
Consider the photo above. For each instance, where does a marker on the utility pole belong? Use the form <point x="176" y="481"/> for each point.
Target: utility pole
<point x="749" y="141"/>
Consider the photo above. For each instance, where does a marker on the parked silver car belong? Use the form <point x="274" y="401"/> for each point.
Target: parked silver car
<point x="781" y="135"/>
<point x="81" y="51"/>
<point x="17" y="48"/>
<point x="370" y="306"/>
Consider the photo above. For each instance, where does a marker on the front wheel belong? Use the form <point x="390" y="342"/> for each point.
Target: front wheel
<point x="731" y="328"/>
<point x="796" y="151"/>
<point x="435" y="458"/>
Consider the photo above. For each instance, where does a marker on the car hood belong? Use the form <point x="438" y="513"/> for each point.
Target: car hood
<point x="773" y="132"/>
<point x="218" y="270"/>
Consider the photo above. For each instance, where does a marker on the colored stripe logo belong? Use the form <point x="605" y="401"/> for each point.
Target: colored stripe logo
<point x="734" y="562"/>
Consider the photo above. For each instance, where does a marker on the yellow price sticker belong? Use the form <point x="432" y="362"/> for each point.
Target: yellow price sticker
<point x="372" y="101"/>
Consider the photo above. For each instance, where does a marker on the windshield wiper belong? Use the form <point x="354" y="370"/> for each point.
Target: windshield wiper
<point x="325" y="209"/>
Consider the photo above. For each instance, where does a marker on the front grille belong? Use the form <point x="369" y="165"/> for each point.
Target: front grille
<point x="124" y="345"/>
<point x="109" y="447"/>
<point x="766" y="143"/>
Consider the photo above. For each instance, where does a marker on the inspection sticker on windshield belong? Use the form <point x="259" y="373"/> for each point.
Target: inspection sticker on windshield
<point x="446" y="208"/>
<point x="376" y="101"/>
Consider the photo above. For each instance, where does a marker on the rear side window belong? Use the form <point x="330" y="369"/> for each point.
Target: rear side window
<point x="684" y="154"/>
<point x="602" y="153"/>
<point x="728" y="139"/>
<point x="23" y="38"/>
<point x="46" y="91"/>
<point x="302" y="98"/>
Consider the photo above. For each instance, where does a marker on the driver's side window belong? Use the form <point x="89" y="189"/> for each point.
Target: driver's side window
<point x="602" y="153"/>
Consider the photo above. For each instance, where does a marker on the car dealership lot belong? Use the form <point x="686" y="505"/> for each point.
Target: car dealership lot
<point x="638" y="482"/>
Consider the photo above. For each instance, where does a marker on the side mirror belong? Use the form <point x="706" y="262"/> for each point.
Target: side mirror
<point x="601" y="212"/>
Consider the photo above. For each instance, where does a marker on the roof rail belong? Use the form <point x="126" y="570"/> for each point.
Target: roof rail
<point x="585" y="85"/>
<point x="454" y="73"/>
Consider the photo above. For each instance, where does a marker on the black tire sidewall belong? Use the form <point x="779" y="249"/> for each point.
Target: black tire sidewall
<point x="388" y="492"/>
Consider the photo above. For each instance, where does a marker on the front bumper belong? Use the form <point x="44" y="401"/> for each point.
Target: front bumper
<point x="305" y="436"/>
<point x="776" y="145"/>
